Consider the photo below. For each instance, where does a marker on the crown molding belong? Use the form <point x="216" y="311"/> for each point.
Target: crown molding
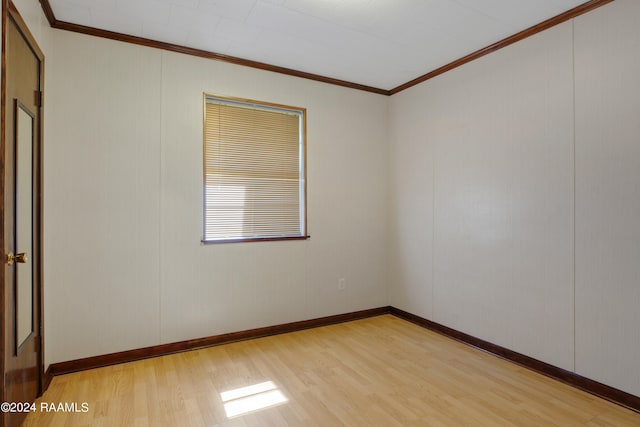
<point x="545" y="25"/>
<point x="551" y="22"/>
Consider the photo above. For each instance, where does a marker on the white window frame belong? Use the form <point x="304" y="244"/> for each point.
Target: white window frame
<point x="302" y="180"/>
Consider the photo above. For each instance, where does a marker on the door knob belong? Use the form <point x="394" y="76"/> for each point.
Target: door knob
<point x="21" y="258"/>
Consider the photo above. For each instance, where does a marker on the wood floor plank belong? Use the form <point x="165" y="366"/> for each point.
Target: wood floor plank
<point x="380" y="371"/>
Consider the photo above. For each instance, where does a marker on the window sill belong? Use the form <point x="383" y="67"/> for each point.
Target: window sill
<point x="253" y="239"/>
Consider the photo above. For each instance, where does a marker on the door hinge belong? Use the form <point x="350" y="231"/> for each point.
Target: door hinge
<point x="38" y="98"/>
<point x="38" y="344"/>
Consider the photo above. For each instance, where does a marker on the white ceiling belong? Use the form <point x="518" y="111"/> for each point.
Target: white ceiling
<point x="378" y="43"/>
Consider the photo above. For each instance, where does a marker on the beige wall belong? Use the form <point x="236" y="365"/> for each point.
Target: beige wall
<point x="494" y="164"/>
<point x="483" y="208"/>
<point x="607" y="79"/>
<point x="31" y="12"/>
<point x="124" y="264"/>
<point x="511" y="185"/>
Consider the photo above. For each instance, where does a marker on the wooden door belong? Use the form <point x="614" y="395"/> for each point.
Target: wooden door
<point x="21" y="237"/>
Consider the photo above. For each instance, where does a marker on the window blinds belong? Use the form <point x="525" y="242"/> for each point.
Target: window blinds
<point x="254" y="171"/>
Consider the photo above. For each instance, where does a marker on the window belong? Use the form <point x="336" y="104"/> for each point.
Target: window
<point x="254" y="171"/>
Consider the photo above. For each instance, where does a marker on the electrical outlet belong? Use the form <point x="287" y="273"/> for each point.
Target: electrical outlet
<point x="342" y="284"/>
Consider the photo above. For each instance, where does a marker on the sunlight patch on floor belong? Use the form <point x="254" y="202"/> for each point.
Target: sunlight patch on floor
<point x="241" y="401"/>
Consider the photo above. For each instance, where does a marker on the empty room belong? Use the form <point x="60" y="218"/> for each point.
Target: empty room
<point x="320" y="213"/>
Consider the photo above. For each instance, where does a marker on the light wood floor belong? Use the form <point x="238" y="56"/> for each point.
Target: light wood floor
<point x="381" y="371"/>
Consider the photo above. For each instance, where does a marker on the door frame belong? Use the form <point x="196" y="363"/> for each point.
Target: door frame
<point x="11" y="14"/>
